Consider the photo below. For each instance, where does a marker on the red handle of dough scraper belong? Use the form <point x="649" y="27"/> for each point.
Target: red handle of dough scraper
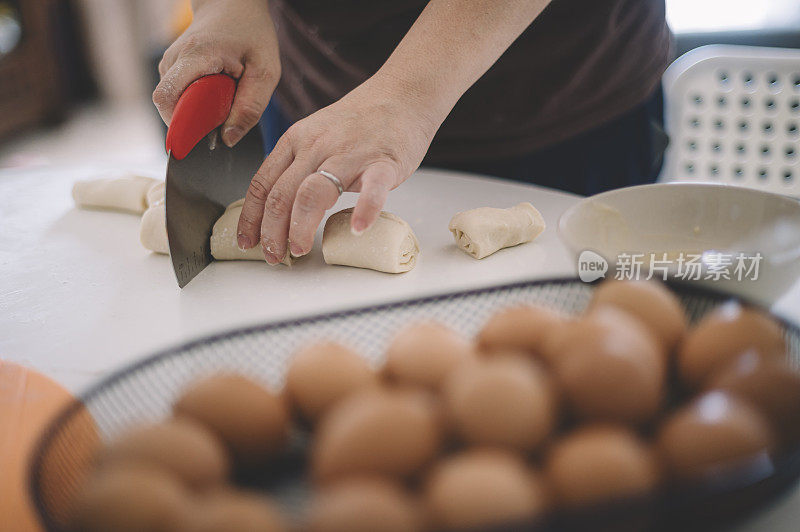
<point x="202" y="107"/>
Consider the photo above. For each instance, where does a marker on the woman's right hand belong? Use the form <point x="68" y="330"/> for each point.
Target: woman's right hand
<point x="235" y="37"/>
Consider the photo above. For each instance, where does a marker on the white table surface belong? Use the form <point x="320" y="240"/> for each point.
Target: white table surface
<point x="80" y="297"/>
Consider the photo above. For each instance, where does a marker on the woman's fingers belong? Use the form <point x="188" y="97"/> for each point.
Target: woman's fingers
<point x="248" y="231"/>
<point x="253" y="92"/>
<point x="316" y="195"/>
<point x="278" y="209"/>
<point x="376" y="182"/>
<point x="296" y="202"/>
<point x="167" y="60"/>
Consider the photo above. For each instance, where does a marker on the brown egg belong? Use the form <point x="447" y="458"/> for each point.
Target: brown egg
<point x="322" y="374"/>
<point x="376" y="432"/>
<point x="132" y="498"/>
<point x="611" y="368"/>
<point x="250" y="420"/>
<point x="480" y="488"/>
<point x="713" y="432"/>
<point x="768" y="384"/>
<point x="552" y="347"/>
<point x="507" y="401"/>
<point x="649" y="301"/>
<point x="424" y="354"/>
<point x="599" y="463"/>
<point x="183" y="447"/>
<point x="520" y="328"/>
<point x="724" y="334"/>
<point x="229" y="510"/>
<point x="364" y="504"/>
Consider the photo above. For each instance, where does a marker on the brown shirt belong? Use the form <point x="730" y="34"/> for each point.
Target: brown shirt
<point x="580" y="64"/>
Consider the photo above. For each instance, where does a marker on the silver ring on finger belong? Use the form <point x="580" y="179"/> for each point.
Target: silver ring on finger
<point x="333" y="179"/>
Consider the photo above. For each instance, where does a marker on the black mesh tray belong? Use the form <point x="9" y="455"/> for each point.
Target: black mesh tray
<point x="146" y="390"/>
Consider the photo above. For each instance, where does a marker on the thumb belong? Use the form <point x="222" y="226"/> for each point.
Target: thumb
<point x="253" y="92"/>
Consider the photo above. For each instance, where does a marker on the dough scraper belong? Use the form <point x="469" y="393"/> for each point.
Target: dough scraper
<point x="203" y="174"/>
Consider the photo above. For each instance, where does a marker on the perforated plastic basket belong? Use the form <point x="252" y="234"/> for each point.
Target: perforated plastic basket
<point x="733" y="115"/>
<point x="145" y="391"/>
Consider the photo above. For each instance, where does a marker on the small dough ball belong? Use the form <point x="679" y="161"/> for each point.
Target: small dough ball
<point x="649" y="301"/>
<point x="389" y="245"/>
<point x="364" y="505"/>
<point x="713" y="432"/>
<point x="156" y="194"/>
<point x="611" y="368"/>
<point x="721" y="336"/>
<point x="599" y="463"/>
<point x="507" y="401"/>
<point x="132" y="498"/>
<point x="769" y="385"/>
<point x="183" y="447"/>
<point x="223" y="238"/>
<point x="153" y="229"/>
<point x="322" y="374"/>
<point x="485" y="230"/>
<point x="423" y="354"/>
<point x="520" y="328"/>
<point x="250" y="420"/>
<point x="482" y="488"/>
<point x="229" y="510"/>
<point x="126" y="193"/>
<point x="377" y="432"/>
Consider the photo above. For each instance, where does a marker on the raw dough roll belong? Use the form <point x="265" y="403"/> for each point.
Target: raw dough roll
<point x="127" y="193"/>
<point x="153" y="229"/>
<point x="156" y="194"/>
<point x="223" y="238"/>
<point x="388" y="246"/>
<point x="482" y="231"/>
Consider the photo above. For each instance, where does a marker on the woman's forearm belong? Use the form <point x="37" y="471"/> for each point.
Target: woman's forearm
<point x="451" y="45"/>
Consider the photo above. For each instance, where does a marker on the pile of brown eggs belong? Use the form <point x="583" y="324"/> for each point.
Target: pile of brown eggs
<point x="541" y="411"/>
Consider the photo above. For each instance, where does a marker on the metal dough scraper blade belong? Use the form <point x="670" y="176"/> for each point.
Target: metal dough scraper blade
<point x="203" y="174"/>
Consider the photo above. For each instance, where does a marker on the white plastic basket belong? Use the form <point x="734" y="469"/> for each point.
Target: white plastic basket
<point x="733" y="115"/>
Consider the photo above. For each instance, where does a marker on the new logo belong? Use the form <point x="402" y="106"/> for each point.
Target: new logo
<point x="591" y="266"/>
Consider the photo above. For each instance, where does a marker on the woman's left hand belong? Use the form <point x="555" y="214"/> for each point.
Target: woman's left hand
<point x="371" y="140"/>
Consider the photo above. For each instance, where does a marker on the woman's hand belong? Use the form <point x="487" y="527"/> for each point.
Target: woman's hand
<point x="371" y="140"/>
<point x="236" y="37"/>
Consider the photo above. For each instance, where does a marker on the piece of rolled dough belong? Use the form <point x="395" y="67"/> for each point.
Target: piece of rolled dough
<point x="153" y="229"/>
<point x="388" y="246"/>
<point x="127" y="193"/>
<point x="482" y="231"/>
<point x="156" y="194"/>
<point x="223" y="238"/>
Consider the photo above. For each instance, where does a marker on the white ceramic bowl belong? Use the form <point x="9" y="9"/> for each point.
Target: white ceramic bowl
<point x="714" y="220"/>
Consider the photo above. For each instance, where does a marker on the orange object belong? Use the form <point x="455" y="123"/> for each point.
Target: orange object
<point x="182" y="17"/>
<point x="28" y="402"/>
